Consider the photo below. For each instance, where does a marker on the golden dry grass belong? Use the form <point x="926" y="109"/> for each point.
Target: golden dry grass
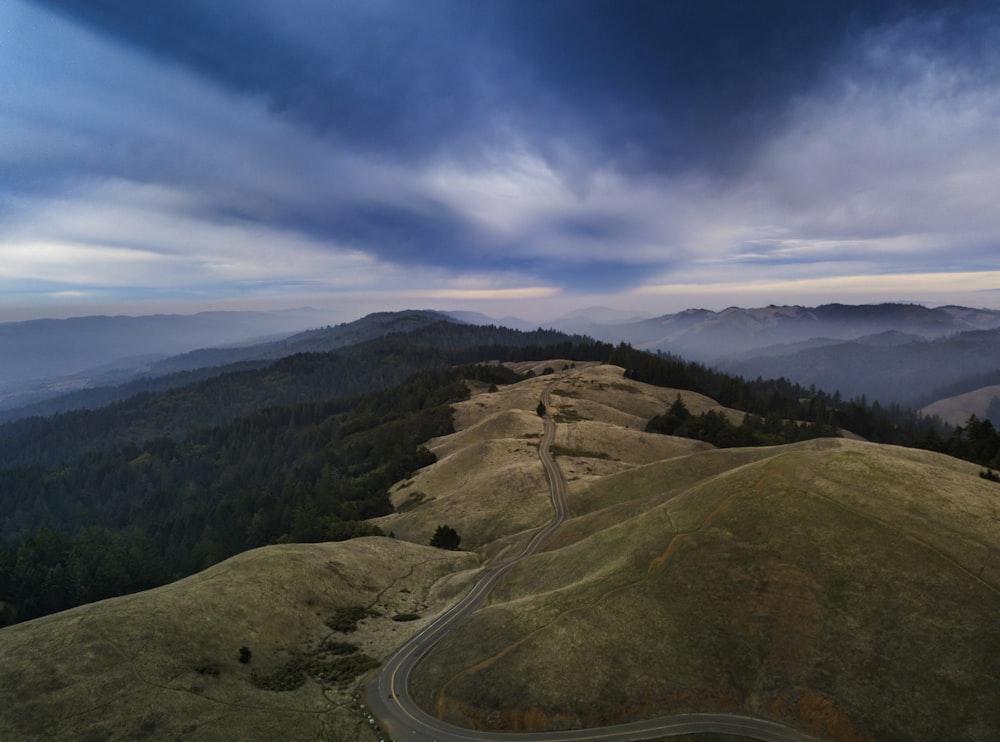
<point x="849" y="588"/>
<point x="485" y="490"/>
<point x="956" y="410"/>
<point x="488" y="483"/>
<point x="128" y="668"/>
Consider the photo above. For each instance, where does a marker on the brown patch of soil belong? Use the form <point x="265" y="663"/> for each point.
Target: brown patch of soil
<point x="535" y="719"/>
<point x="782" y="611"/>
<point x="660" y="562"/>
<point x="574" y="531"/>
<point x="819" y="715"/>
<point x="531" y="719"/>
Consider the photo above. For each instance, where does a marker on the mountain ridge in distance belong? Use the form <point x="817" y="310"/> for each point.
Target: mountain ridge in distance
<point x="894" y="353"/>
<point x="92" y="388"/>
<point x="705" y="335"/>
<point x="890" y="368"/>
<point x="728" y="338"/>
<point x="49" y="348"/>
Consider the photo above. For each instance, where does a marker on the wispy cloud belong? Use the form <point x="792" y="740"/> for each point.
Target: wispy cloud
<point x="455" y="152"/>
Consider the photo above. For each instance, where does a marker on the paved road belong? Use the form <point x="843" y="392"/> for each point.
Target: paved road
<point x="389" y="701"/>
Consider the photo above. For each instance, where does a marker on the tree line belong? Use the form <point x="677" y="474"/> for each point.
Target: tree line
<point x="115" y="522"/>
<point x="238" y="390"/>
<point x="716" y="428"/>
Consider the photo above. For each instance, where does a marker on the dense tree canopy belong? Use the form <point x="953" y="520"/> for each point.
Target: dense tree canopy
<point x="129" y="519"/>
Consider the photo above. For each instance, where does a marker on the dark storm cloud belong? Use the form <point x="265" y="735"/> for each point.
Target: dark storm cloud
<point x="423" y="232"/>
<point x="582" y="145"/>
<point x="679" y="84"/>
<point x="387" y="78"/>
<point x="431" y="233"/>
<point x="640" y="85"/>
<point x="594" y="276"/>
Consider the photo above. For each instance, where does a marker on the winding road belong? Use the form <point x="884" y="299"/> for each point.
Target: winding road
<point x="389" y="701"/>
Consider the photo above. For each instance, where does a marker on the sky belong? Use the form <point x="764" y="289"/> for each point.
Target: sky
<point x="517" y="158"/>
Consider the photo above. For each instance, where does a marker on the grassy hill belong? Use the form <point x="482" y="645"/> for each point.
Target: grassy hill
<point x="842" y="587"/>
<point x="956" y="410"/>
<point x="488" y="482"/>
<point x="165" y="664"/>
<point x="847" y="588"/>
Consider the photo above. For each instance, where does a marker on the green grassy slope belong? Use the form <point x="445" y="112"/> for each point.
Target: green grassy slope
<point x="848" y="588"/>
<point x="164" y="664"/>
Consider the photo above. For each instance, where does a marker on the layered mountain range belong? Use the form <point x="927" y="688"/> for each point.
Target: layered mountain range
<point x="703" y="335"/>
<point x="904" y="354"/>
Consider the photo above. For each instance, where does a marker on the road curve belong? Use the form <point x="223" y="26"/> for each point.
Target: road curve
<point x="388" y="698"/>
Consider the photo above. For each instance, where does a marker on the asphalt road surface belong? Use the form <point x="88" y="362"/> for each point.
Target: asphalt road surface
<point x="389" y="701"/>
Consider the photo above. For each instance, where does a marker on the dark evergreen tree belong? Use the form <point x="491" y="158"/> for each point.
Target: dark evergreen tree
<point x="675" y="416"/>
<point x="993" y="412"/>
<point x="446" y="537"/>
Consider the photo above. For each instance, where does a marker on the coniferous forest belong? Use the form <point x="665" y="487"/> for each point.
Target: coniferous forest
<point x="102" y="502"/>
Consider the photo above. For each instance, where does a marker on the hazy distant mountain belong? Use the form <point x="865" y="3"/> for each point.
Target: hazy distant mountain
<point x="43" y="359"/>
<point x="889" y="367"/>
<point x="42" y="349"/>
<point x="889" y="352"/>
<point x="885" y="339"/>
<point x="478" y="318"/>
<point x="102" y="385"/>
<point x="319" y="340"/>
<point x="598" y="321"/>
<point x="704" y="335"/>
<point x="604" y="321"/>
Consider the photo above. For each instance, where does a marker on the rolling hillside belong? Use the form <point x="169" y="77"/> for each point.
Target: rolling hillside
<point x="844" y="588"/>
<point x="956" y="410"/>
<point x="165" y="664"/>
<point x="819" y="585"/>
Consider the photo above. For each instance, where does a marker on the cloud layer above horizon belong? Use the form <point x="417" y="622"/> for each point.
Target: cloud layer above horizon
<point x="485" y="154"/>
